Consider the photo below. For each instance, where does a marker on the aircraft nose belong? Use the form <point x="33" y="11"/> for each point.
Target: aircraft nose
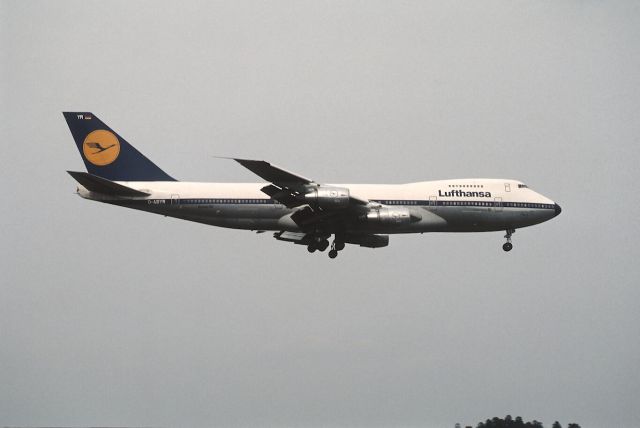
<point x="558" y="209"/>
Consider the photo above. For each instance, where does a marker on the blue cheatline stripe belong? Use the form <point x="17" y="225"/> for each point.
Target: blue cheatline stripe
<point x="402" y="202"/>
<point x="463" y="203"/>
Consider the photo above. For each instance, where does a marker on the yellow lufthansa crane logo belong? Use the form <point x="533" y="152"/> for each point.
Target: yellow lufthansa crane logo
<point x="101" y="147"/>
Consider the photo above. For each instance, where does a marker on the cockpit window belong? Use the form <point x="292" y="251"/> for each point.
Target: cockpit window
<point x="522" y="186"/>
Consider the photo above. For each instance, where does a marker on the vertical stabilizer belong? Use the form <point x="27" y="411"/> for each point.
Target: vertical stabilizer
<point x="108" y="155"/>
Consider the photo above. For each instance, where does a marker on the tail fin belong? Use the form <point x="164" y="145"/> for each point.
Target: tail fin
<point x="108" y="155"/>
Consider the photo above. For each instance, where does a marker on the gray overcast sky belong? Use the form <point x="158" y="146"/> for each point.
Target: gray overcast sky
<point x="116" y="317"/>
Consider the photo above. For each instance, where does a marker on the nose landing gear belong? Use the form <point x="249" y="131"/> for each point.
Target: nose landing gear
<point x="508" y="245"/>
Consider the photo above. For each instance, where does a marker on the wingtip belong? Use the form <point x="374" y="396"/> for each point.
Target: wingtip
<point x="239" y="160"/>
<point x="251" y="161"/>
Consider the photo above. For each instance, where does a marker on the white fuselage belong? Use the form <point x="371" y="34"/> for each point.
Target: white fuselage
<point x="465" y="205"/>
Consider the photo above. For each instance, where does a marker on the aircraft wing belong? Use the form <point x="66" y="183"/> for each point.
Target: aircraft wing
<point x="289" y="188"/>
<point x="277" y="176"/>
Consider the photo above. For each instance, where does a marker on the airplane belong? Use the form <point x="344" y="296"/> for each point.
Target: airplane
<point x="298" y="209"/>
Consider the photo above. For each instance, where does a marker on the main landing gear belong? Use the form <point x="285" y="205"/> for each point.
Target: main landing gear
<point x="321" y="243"/>
<point x="508" y="245"/>
<point x="335" y="247"/>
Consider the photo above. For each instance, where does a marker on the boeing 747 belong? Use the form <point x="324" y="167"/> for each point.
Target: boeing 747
<point x="299" y="209"/>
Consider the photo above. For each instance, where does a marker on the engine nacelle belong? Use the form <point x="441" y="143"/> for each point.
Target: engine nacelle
<point x="391" y="216"/>
<point x="369" y="241"/>
<point x="328" y="198"/>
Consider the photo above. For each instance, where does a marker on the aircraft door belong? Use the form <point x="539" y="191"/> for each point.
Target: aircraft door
<point x="433" y="202"/>
<point x="497" y="204"/>
<point x="175" y="200"/>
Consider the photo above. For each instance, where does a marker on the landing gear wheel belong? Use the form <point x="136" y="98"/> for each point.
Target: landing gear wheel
<point x="323" y="245"/>
<point x="333" y="254"/>
<point x="311" y="248"/>
<point x="339" y="246"/>
<point x="508" y="245"/>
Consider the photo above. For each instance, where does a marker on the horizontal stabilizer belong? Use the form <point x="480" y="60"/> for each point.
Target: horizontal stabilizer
<point x="97" y="184"/>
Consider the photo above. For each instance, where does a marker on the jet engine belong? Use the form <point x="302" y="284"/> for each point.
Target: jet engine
<point x="391" y="216"/>
<point x="370" y="241"/>
<point x="328" y="198"/>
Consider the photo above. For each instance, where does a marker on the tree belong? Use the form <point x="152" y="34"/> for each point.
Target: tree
<point x="573" y="425"/>
<point x="556" y="424"/>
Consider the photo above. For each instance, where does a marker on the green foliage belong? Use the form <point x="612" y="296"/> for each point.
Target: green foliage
<point x="509" y="422"/>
